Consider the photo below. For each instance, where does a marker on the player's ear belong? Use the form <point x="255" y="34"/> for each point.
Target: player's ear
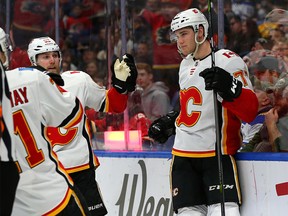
<point x="201" y="32"/>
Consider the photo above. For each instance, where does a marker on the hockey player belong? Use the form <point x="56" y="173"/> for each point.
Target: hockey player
<point x="9" y="175"/>
<point x="44" y="188"/>
<point x="73" y="146"/>
<point x="195" y="173"/>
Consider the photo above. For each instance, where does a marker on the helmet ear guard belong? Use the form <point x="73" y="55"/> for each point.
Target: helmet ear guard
<point x="42" y="45"/>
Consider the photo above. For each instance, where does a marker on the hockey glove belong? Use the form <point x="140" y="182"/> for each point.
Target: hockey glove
<point x="56" y="78"/>
<point x="222" y="82"/>
<point x="120" y="72"/>
<point x="131" y="80"/>
<point x="162" y="128"/>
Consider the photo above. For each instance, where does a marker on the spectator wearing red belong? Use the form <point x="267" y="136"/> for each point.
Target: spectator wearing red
<point x="166" y="59"/>
<point x="28" y="19"/>
<point x="77" y="24"/>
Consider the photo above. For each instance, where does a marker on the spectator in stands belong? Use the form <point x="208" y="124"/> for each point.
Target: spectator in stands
<point x="77" y="24"/>
<point x="118" y="42"/>
<point x="153" y="5"/>
<point x="29" y="18"/>
<point x="281" y="50"/>
<point x="99" y="76"/>
<point x="236" y="36"/>
<point x="277" y="35"/>
<point x="93" y="8"/>
<point x="262" y="44"/>
<point x="248" y="130"/>
<point x="143" y="53"/>
<point x="50" y="27"/>
<point x="155" y="100"/>
<point x="267" y="69"/>
<point x="101" y="39"/>
<point x="138" y="120"/>
<point x="68" y="57"/>
<point x="141" y="30"/>
<point x="101" y="46"/>
<point x="228" y="9"/>
<point x="273" y="136"/>
<point x="166" y="59"/>
<point x="87" y="56"/>
<point x="277" y="118"/>
<point x="250" y="35"/>
<point x="19" y="58"/>
<point x="65" y="66"/>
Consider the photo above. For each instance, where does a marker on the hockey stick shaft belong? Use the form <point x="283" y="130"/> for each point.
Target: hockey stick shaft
<point x="218" y="144"/>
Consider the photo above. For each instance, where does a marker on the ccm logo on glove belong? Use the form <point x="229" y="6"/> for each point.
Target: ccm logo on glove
<point x="222" y="82"/>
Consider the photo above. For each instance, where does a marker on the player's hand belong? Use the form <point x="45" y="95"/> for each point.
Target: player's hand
<point x="162" y="128"/>
<point x="56" y="78"/>
<point x="131" y="80"/>
<point x="120" y="72"/>
<point x="222" y="82"/>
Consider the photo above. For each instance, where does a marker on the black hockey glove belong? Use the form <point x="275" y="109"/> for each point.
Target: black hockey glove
<point x="131" y="80"/>
<point x="162" y="128"/>
<point x="56" y="78"/>
<point x="222" y="82"/>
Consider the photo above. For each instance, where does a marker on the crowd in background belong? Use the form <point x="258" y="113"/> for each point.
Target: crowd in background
<point x="90" y="38"/>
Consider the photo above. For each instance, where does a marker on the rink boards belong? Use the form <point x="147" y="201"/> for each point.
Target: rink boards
<point x="137" y="183"/>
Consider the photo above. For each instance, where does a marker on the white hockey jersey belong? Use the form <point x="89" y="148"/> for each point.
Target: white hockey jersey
<point x="7" y="145"/>
<point x="195" y="125"/>
<point x="44" y="186"/>
<point x="73" y="146"/>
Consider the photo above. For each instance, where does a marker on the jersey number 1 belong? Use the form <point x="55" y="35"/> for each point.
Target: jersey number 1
<point x="21" y="128"/>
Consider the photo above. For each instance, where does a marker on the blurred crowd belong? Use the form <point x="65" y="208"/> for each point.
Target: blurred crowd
<point x="90" y="37"/>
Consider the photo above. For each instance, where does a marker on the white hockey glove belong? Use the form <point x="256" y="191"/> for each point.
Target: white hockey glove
<point x="121" y="69"/>
<point x="120" y="72"/>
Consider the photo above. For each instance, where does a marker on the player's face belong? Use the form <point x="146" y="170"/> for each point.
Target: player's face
<point x="50" y="61"/>
<point x="185" y="40"/>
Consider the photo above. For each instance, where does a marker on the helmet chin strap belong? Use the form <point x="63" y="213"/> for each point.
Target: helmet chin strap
<point x="197" y="44"/>
<point x="196" y="50"/>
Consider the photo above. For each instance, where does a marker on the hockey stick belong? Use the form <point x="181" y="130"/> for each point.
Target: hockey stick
<point x="218" y="146"/>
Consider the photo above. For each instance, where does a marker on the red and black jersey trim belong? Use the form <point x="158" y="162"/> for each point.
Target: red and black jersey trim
<point x="73" y="114"/>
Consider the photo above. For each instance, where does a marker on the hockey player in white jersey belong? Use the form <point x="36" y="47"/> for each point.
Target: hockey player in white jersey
<point x="9" y="175"/>
<point x="44" y="188"/>
<point x="194" y="174"/>
<point x="73" y="146"/>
